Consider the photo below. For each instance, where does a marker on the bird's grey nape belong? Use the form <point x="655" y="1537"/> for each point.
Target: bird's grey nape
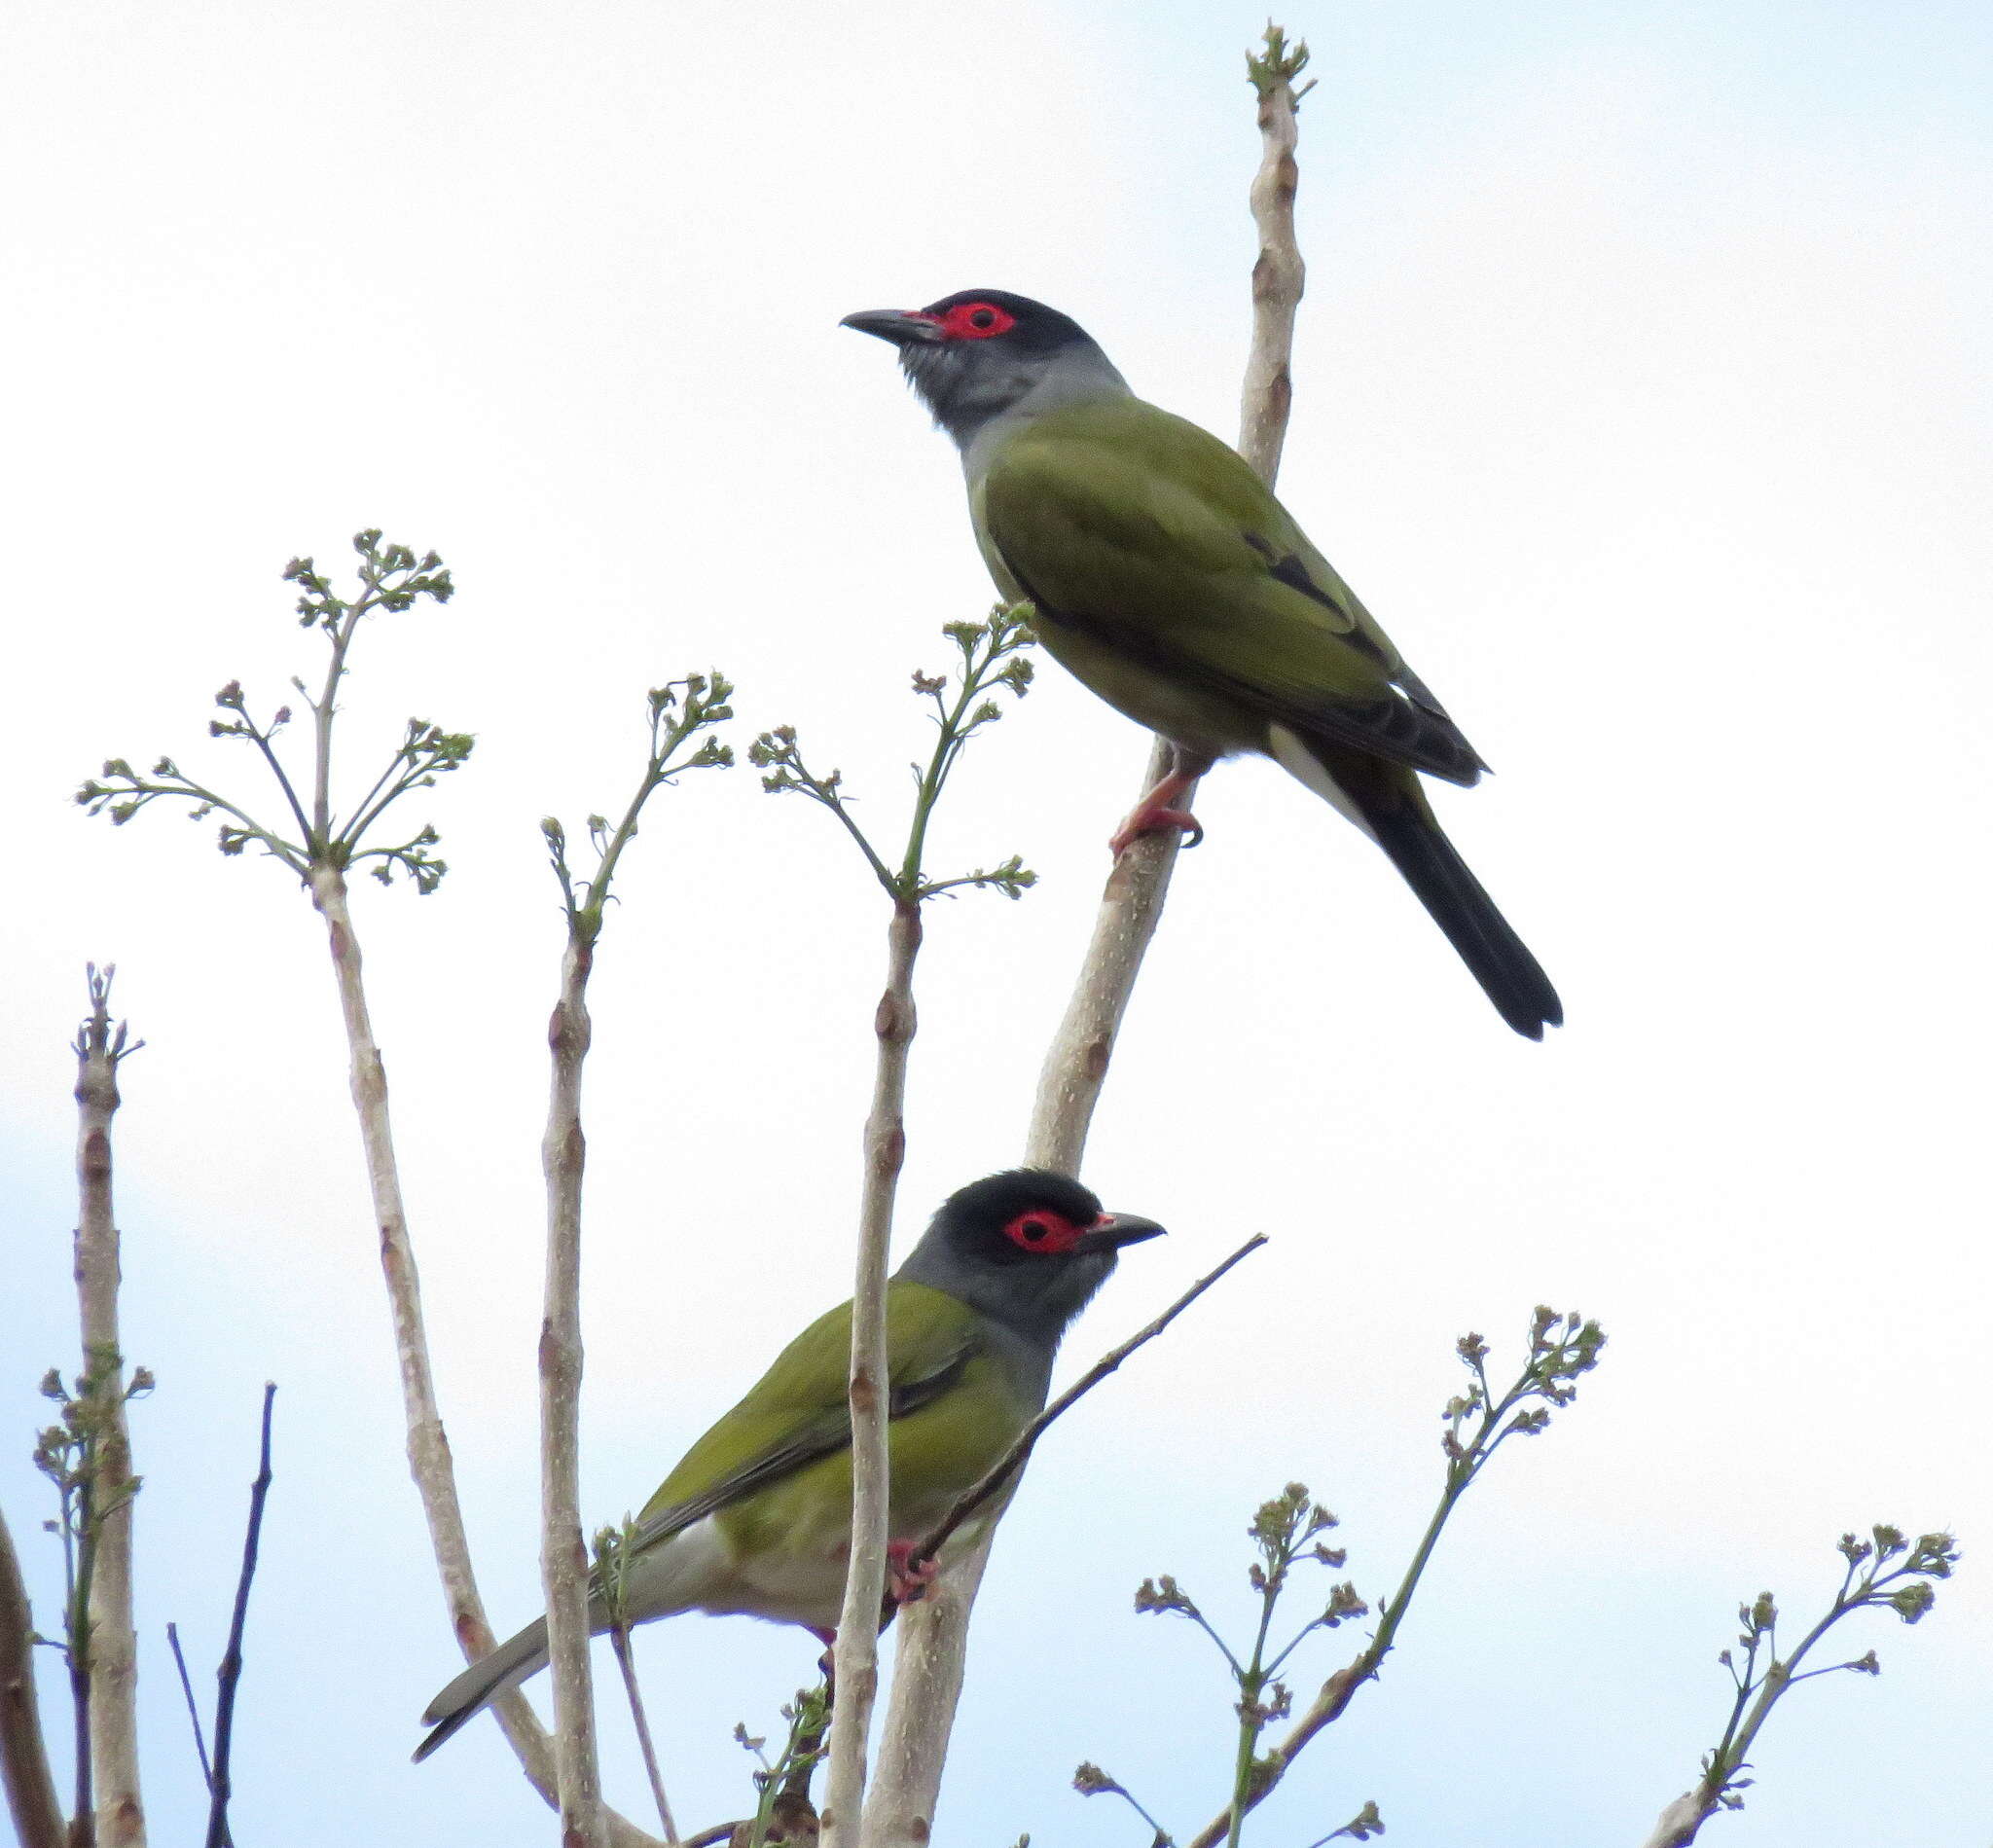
<point x="968" y="385"/>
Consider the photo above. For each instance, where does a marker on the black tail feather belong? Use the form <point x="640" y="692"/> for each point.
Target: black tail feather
<point x="1497" y="959"/>
<point x="1395" y="808"/>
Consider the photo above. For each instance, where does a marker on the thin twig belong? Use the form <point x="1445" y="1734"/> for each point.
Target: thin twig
<point x="933" y="1633"/>
<point x="619" y="1642"/>
<point x="193" y="1707"/>
<point x="23" y="1753"/>
<point x="230" y="1676"/>
<point x="1013" y="1459"/>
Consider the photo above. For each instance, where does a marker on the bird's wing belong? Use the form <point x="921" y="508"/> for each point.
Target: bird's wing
<point x="1156" y="539"/>
<point x="798" y="1411"/>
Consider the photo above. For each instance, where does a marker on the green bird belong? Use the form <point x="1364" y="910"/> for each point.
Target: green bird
<point x="755" y="1520"/>
<point x="1168" y="578"/>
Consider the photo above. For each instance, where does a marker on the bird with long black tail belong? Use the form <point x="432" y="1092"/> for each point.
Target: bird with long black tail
<point x="1169" y="580"/>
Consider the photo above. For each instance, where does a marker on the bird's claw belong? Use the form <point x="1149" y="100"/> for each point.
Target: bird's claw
<point x="907" y="1578"/>
<point x="1154" y="821"/>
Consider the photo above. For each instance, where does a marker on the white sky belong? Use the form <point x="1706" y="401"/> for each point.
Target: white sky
<point x="1640" y="390"/>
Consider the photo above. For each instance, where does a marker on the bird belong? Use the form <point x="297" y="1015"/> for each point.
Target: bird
<point x="755" y="1520"/>
<point x="1166" y="576"/>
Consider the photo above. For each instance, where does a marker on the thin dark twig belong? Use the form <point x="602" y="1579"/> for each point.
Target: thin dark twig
<point x="619" y="1641"/>
<point x="1013" y="1459"/>
<point x="193" y="1710"/>
<point x="230" y="1673"/>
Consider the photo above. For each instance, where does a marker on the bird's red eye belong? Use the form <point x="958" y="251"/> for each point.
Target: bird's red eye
<point x="977" y="320"/>
<point x="1042" y="1233"/>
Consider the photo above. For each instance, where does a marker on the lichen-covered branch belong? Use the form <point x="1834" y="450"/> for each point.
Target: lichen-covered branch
<point x="113" y="1643"/>
<point x="933" y="1633"/>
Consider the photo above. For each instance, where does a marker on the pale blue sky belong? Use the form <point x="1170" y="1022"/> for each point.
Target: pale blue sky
<point x="1640" y="390"/>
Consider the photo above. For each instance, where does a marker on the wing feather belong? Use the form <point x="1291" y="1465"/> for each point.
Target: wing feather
<point x="1149" y="535"/>
<point x="798" y="1410"/>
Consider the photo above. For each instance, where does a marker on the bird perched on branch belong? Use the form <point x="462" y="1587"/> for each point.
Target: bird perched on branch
<point x="1169" y="579"/>
<point x="756" y="1519"/>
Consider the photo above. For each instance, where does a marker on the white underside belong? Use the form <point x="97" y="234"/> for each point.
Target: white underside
<point x="695" y="1571"/>
<point x="1302" y="764"/>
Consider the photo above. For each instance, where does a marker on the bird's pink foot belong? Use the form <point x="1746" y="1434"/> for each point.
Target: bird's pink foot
<point x="1148" y="820"/>
<point x="907" y="1579"/>
<point x="1158" y="811"/>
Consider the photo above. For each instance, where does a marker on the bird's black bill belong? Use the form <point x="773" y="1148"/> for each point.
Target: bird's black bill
<point x="901" y="326"/>
<point x="1116" y="1230"/>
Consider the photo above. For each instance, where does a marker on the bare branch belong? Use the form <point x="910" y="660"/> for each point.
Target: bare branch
<point x="933" y="1633"/>
<point x="1279" y="274"/>
<point x="563" y="1559"/>
<point x="193" y="1707"/>
<point x="428" y="1448"/>
<point x="990" y="657"/>
<point x="113" y="1641"/>
<point x="855" y="1657"/>
<point x="230" y="1676"/>
<point x="677" y="711"/>
<point x="24" y="1755"/>
<point x="1013" y="1459"/>
<point x="619" y="1642"/>
<point x="392" y="579"/>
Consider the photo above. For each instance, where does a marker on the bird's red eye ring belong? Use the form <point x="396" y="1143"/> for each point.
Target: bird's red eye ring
<point x="977" y="320"/>
<point x="1042" y="1233"/>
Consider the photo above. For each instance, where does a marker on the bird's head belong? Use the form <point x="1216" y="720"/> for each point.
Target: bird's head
<point x="1027" y="1247"/>
<point x="974" y="355"/>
